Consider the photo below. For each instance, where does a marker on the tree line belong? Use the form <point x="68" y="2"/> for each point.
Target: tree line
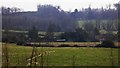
<point x="52" y="19"/>
<point x="14" y="18"/>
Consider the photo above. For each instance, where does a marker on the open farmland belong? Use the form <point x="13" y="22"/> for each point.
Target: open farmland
<point x="114" y="23"/>
<point x="62" y="56"/>
<point x="0" y="54"/>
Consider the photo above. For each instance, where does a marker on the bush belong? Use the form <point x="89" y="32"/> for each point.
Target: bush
<point x="98" y="45"/>
<point x="19" y="43"/>
<point x="108" y="43"/>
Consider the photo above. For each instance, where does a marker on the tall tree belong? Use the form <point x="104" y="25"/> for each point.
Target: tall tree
<point x="33" y="34"/>
<point x="50" y="32"/>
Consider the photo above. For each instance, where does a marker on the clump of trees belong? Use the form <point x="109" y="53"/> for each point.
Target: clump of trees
<point x="118" y="36"/>
<point x="93" y="14"/>
<point x="107" y="43"/>
<point x="33" y="34"/>
<point x="49" y="36"/>
<point x="8" y="10"/>
<point x="78" y="36"/>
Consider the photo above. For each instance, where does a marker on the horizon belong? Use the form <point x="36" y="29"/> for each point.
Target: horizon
<point x="66" y="5"/>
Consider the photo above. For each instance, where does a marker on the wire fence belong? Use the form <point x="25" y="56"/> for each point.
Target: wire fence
<point x="41" y="56"/>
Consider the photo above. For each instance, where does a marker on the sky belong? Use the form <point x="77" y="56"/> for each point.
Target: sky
<point x="67" y="5"/>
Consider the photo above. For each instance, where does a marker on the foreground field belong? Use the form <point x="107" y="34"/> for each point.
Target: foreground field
<point x="62" y="56"/>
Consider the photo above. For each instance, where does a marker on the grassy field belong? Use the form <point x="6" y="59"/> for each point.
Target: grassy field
<point x="81" y="24"/>
<point x="62" y="56"/>
<point x="0" y="54"/>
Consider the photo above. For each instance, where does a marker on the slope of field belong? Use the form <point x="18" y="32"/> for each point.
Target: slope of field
<point x="62" y="56"/>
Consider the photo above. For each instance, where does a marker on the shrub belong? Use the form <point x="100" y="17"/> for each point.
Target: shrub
<point x="108" y="43"/>
<point x="20" y="43"/>
<point x="98" y="45"/>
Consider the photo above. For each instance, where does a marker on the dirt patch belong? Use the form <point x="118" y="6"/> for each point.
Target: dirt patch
<point x="117" y="44"/>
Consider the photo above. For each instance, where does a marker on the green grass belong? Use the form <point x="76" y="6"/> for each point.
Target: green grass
<point x="81" y="24"/>
<point x="0" y="54"/>
<point x="63" y="56"/>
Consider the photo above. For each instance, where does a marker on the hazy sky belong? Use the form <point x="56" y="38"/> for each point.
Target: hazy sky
<point x="31" y="5"/>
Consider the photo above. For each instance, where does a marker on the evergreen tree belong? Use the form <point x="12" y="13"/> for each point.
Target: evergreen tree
<point x="33" y="34"/>
<point x="50" y="32"/>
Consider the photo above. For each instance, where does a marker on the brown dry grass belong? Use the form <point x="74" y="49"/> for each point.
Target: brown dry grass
<point x="117" y="44"/>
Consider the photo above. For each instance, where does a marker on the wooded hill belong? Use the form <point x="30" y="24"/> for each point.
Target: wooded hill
<point x="61" y="20"/>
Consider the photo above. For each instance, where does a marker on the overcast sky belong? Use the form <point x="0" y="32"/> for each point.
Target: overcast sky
<point x="31" y="5"/>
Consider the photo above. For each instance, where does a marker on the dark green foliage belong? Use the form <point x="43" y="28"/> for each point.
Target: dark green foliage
<point x="53" y="28"/>
<point x="50" y="32"/>
<point x="110" y="36"/>
<point x="21" y="39"/>
<point x="90" y="14"/>
<point x="45" y="15"/>
<point x="78" y="36"/>
<point x="106" y="43"/>
<point x="52" y="19"/>
<point x="96" y="31"/>
<point x="89" y="26"/>
<point x="118" y="36"/>
<point x="98" y="45"/>
<point x="33" y="34"/>
<point x="69" y="36"/>
<point x="81" y="35"/>
<point x="13" y="37"/>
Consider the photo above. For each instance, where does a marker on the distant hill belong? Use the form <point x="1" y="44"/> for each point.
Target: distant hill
<point x="40" y="19"/>
<point x="61" y="20"/>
